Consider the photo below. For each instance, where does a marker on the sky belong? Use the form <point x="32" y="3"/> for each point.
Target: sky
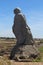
<point x="33" y="11"/>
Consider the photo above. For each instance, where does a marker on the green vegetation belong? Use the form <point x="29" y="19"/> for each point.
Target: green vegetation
<point x="40" y="58"/>
<point x="41" y="49"/>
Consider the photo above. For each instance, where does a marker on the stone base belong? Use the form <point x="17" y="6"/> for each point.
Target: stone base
<point x="24" y="53"/>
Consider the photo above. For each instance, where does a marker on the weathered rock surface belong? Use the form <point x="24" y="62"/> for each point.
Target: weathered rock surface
<point x="24" y="53"/>
<point x="24" y="50"/>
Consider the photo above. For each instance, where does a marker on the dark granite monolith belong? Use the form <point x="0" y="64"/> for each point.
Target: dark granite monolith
<point x="25" y="49"/>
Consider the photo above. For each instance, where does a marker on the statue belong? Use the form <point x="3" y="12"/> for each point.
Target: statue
<point x="24" y="48"/>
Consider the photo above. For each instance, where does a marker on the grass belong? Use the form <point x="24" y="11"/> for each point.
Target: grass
<point x="41" y="53"/>
<point x="41" y="49"/>
<point x="39" y="59"/>
<point x="4" y="61"/>
<point x="6" y="44"/>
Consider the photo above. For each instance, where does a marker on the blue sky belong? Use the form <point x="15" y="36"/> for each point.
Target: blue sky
<point x="33" y="10"/>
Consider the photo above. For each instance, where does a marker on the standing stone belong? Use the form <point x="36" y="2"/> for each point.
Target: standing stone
<point x="24" y="50"/>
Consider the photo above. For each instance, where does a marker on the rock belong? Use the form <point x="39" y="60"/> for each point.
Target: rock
<point x="26" y="53"/>
<point x="24" y="50"/>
